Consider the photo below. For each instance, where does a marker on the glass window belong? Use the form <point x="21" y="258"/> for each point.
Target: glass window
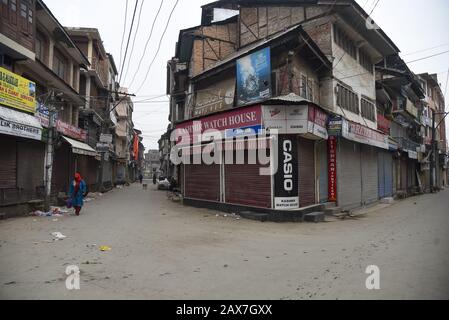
<point x="13" y="4"/>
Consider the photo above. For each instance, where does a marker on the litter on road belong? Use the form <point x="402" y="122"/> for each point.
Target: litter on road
<point x="58" y="235"/>
<point x="105" y="248"/>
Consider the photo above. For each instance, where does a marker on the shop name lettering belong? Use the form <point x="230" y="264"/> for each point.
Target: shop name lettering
<point x="221" y="123"/>
<point x="9" y="79"/>
<point x="364" y="132"/>
<point x="14" y="93"/>
<point x="288" y="166"/>
<point x="18" y="127"/>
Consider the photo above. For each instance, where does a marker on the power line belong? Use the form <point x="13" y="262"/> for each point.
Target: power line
<point x="146" y="44"/>
<point x="424" y="50"/>
<point x="428" y="57"/>
<point x="127" y="44"/>
<point x="134" y="40"/>
<point x="159" y="46"/>
<point x="124" y="31"/>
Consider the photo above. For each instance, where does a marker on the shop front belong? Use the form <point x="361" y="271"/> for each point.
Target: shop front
<point x="358" y="178"/>
<point x="21" y="157"/>
<point x="241" y="155"/>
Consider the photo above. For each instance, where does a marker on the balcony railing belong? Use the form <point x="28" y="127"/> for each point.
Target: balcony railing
<point x="407" y="144"/>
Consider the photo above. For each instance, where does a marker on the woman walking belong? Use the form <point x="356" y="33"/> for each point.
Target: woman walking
<point x="77" y="191"/>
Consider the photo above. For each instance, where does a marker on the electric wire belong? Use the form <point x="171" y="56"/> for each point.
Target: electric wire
<point x="127" y="44"/>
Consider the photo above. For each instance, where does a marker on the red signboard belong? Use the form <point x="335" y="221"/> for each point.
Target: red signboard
<point x="317" y="116"/>
<point x="71" y="131"/>
<point x="332" y="167"/>
<point x="239" y="118"/>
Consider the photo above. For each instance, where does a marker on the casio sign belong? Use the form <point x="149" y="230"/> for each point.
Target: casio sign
<point x="288" y="165"/>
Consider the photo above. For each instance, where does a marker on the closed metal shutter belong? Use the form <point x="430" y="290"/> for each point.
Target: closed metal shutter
<point x="30" y="166"/>
<point x="202" y="182"/>
<point x="323" y="170"/>
<point x="385" y="169"/>
<point x="306" y="162"/>
<point x="63" y="169"/>
<point x="370" y="184"/>
<point x="349" y="179"/>
<point x="8" y="160"/>
<point x="403" y="174"/>
<point x="245" y="186"/>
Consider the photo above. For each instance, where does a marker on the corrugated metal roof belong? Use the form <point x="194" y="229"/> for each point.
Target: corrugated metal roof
<point x="80" y="147"/>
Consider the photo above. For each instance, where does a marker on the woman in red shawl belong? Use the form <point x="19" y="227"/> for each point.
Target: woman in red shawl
<point x="77" y="191"/>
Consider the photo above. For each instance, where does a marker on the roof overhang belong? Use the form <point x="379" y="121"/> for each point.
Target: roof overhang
<point x="49" y="21"/>
<point x="80" y="147"/>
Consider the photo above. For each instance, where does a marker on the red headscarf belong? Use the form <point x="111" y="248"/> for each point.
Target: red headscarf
<point x="78" y="179"/>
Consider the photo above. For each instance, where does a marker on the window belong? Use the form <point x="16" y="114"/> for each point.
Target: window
<point x="59" y="63"/>
<point x="23" y="10"/>
<point x="347" y="99"/>
<point x="39" y="49"/>
<point x="344" y="42"/>
<point x="30" y="16"/>
<point x="13" y="4"/>
<point x="303" y="86"/>
<point x="365" y="61"/>
<point x="310" y="90"/>
<point x="368" y="109"/>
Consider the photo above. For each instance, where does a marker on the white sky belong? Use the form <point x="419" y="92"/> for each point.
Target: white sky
<point x="412" y="25"/>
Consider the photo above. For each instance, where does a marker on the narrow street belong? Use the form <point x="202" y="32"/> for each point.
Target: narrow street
<point x="162" y="250"/>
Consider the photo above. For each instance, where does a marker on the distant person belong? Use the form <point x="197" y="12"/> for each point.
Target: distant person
<point x="154" y="178"/>
<point x="77" y="193"/>
<point x="140" y="178"/>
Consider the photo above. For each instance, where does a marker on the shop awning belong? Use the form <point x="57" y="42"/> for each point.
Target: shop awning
<point x="80" y="147"/>
<point x="19" y="124"/>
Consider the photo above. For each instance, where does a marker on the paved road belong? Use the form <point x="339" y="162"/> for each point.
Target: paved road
<point x="162" y="250"/>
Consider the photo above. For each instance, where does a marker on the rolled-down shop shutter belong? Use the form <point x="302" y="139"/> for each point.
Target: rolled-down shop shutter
<point x="8" y="168"/>
<point x="323" y="170"/>
<point x="349" y="178"/>
<point x="370" y="184"/>
<point x="385" y="169"/>
<point x="202" y="181"/>
<point x="306" y="163"/>
<point x="30" y="166"/>
<point x="244" y="185"/>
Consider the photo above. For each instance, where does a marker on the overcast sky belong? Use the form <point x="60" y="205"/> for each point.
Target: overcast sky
<point x="412" y="25"/>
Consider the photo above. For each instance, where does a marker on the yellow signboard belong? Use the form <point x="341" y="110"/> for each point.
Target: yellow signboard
<point x="17" y="92"/>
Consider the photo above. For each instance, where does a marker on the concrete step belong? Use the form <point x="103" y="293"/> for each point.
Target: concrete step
<point x="314" y="217"/>
<point x="389" y="200"/>
<point x="329" y="205"/>
<point x="332" y="211"/>
<point x="262" y="217"/>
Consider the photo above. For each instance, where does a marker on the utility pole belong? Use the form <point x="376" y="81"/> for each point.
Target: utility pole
<point x="434" y="159"/>
<point x="49" y="153"/>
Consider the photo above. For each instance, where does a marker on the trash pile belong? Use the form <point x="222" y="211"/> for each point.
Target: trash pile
<point x="54" y="212"/>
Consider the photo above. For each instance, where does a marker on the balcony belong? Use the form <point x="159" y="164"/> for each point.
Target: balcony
<point x="408" y="145"/>
<point x="98" y="68"/>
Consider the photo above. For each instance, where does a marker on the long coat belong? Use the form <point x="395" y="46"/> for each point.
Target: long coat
<point x="78" y="198"/>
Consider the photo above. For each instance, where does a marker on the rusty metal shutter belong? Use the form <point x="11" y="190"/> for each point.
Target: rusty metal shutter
<point x="8" y="162"/>
<point x="202" y="182"/>
<point x="306" y="163"/>
<point x="30" y="166"/>
<point x="245" y="186"/>
<point x="370" y="182"/>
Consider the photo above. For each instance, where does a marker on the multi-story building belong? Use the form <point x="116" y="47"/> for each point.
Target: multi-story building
<point x="434" y="104"/>
<point x="34" y="45"/>
<point x="291" y="66"/>
<point x="152" y="162"/>
<point x="123" y="136"/>
<point x="98" y="85"/>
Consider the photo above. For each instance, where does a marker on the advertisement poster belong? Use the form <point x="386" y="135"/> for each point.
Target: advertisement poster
<point x="254" y="77"/>
<point x="286" y="188"/>
<point x="71" y="131"/>
<point x="17" y="92"/>
<point x="217" y="97"/>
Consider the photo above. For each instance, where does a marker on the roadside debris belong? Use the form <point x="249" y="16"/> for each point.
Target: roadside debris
<point x="58" y="236"/>
<point x="54" y="212"/>
<point x="105" y="248"/>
